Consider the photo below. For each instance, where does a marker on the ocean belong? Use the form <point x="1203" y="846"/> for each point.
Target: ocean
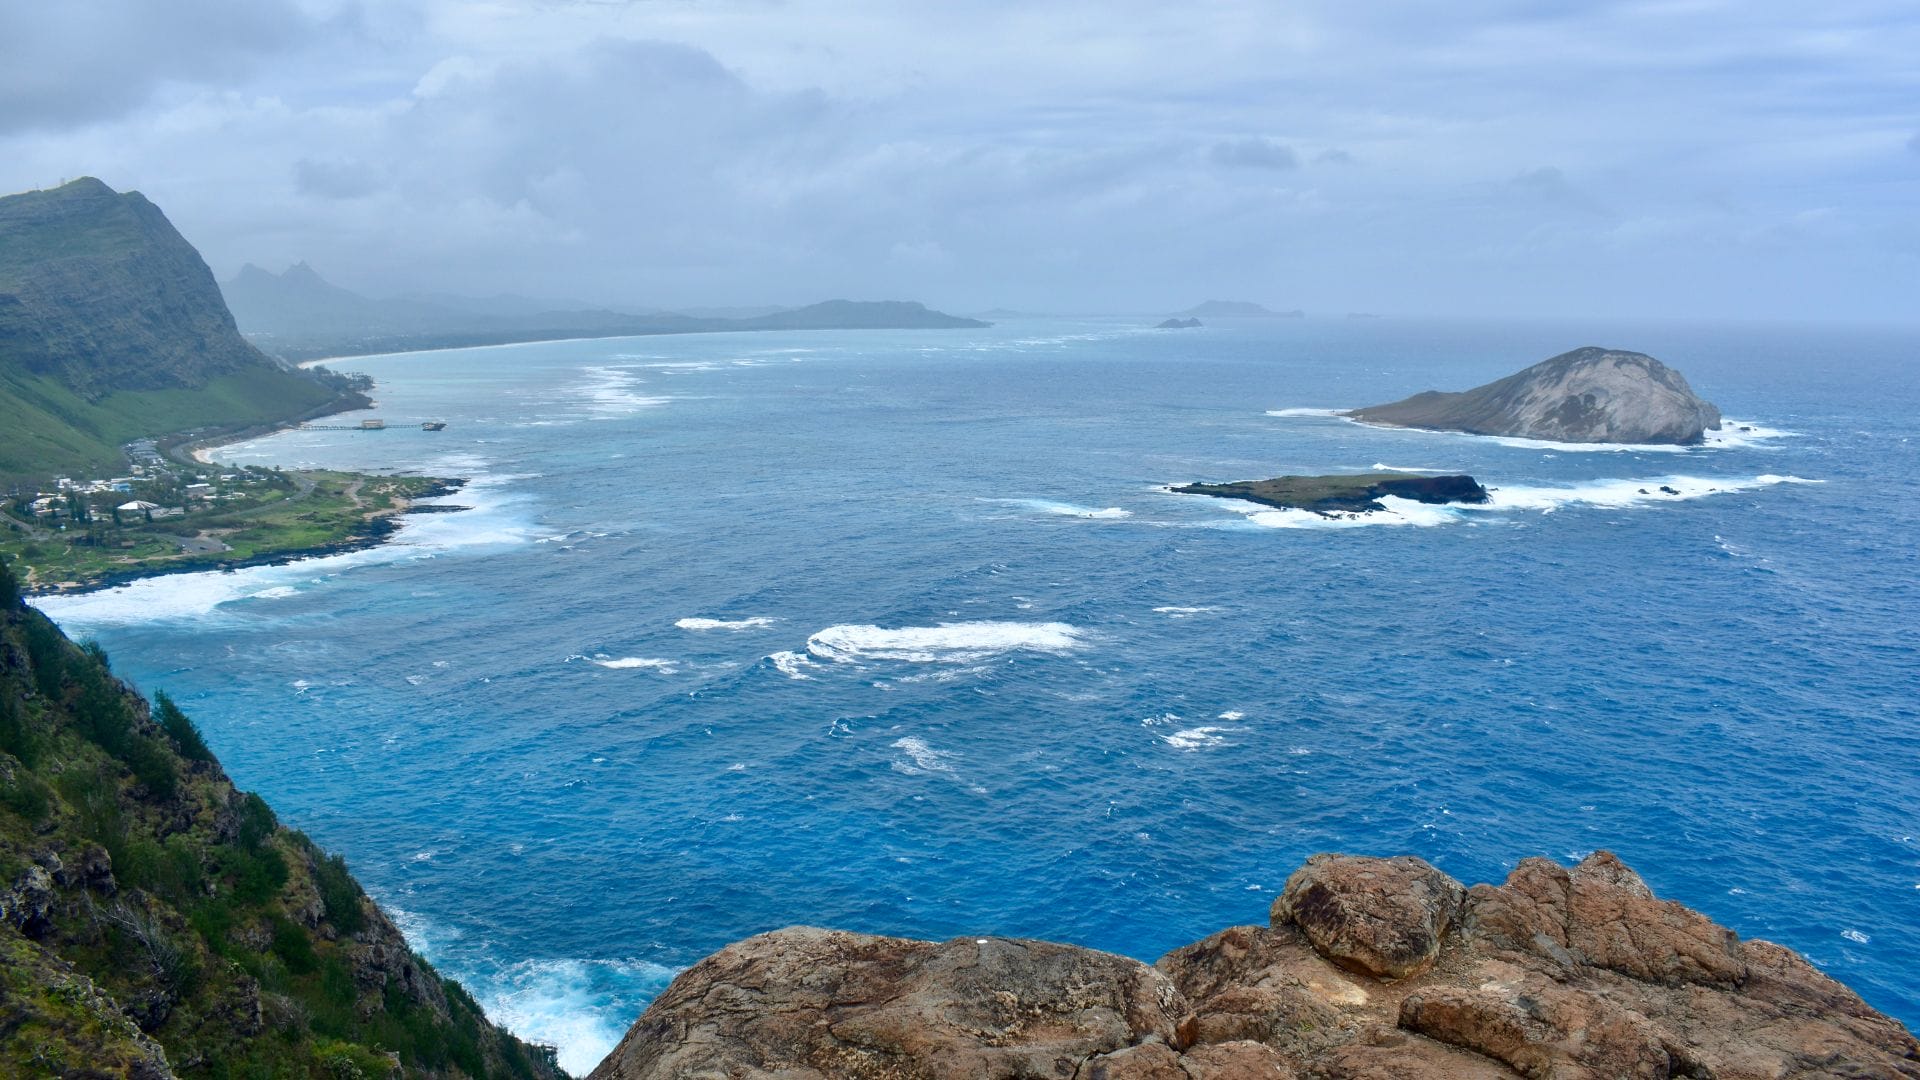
<point x="900" y="632"/>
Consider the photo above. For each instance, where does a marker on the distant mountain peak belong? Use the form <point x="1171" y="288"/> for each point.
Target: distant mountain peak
<point x="1238" y="309"/>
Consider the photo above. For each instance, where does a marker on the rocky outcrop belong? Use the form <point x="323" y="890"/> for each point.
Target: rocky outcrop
<point x="1589" y="395"/>
<point x="1345" y="494"/>
<point x="1177" y="324"/>
<point x="1368" y="969"/>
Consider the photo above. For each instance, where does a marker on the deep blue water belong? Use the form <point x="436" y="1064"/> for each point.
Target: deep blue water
<point x="1152" y="707"/>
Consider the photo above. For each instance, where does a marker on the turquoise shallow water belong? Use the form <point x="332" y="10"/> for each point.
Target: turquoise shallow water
<point x="899" y="632"/>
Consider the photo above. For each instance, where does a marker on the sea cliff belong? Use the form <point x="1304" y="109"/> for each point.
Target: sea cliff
<point x="155" y="921"/>
<point x="1367" y="969"/>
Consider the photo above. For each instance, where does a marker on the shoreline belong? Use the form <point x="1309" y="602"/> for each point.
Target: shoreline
<point x="372" y="531"/>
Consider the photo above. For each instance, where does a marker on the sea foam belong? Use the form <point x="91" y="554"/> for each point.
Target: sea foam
<point x="753" y="623"/>
<point x="947" y="643"/>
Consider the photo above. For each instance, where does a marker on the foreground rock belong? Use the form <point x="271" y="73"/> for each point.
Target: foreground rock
<point x="1369" y="969"/>
<point x="1589" y="395"/>
<point x="1351" y="494"/>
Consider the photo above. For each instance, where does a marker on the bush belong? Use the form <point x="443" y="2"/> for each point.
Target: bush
<point x="340" y="893"/>
<point x="9" y="588"/>
<point x="186" y="737"/>
<point x="293" y="947"/>
<point x="27" y="796"/>
<point x="256" y="822"/>
<point x="17" y="736"/>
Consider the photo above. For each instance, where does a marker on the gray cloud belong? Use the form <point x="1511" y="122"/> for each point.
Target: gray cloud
<point x="980" y="153"/>
<point x="70" y="63"/>
<point x="1253" y="154"/>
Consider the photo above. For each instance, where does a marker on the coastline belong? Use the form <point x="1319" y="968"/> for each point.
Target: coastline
<point x="376" y="528"/>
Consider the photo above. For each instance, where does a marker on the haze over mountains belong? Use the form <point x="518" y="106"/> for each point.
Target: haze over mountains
<point x="299" y="315"/>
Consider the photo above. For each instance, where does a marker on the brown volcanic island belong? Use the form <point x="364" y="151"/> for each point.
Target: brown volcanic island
<point x="1369" y="969"/>
<point x="1589" y="395"/>
<point x="1358" y="493"/>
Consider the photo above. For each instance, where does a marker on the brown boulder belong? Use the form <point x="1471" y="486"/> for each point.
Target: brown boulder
<point x="803" y="1002"/>
<point x="1373" y="969"/>
<point x="1379" y="917"/>
<point x="1601" y="913"/>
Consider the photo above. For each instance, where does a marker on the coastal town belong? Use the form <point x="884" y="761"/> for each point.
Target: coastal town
<point x="166" y="515"/>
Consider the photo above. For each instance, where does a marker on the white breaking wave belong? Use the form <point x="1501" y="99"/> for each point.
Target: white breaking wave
<point x="1066" y="509"/>
<point x="792" y="664"/>
<point x="1199" y="738"/>
<point x="609" y="393"/>
<point x="947" y="643"/>
<point x="753" y="623"/>
<point x="631" y="663"/>
<point x="1182" y="612"/>
<point x="1733" y="435"/>
<point x="1382" y="467"/>
<point x="575" y="1005"/>
<point x="493" y="520"/>
<point x="1613" y="494"/>
<point x="924" y="758"/>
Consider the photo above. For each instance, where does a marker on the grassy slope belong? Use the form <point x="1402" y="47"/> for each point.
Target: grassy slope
<point x="148" y="907"/>
<point x="46" y="429"/>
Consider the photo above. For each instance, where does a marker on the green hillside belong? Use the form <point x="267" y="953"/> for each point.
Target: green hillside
<point x="112" y="328"/>
<point x="156" y="922"/>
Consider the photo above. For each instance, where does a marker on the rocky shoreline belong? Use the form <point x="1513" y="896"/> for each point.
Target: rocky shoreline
<point x="1345" y="494"/>
<point x="1368" y="969"/>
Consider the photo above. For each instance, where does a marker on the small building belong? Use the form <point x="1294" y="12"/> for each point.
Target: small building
<point x="199" y="491"/>
<point x="137" y="506"/>
<point x="372" y="425"/>
<point x="47" y="506"/>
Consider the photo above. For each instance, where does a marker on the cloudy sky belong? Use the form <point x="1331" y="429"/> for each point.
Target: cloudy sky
<point x="1749" y="158"/>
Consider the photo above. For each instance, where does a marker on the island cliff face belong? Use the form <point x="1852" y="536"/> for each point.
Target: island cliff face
<point x="1369" y="969"/>
<point x="1589" y="395"/>
<point x="1339" y="493"/>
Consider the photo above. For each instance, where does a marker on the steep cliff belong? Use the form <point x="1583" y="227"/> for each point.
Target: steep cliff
<point x="1587" y="395"/>
<point x="111" y="328"/>
<point x="156" y="922"/>
<point x="1369" y="969"/>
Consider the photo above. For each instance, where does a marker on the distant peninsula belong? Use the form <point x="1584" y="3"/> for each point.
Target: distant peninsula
<point x="299" y="315"/>
<point x="1589" y="395"/>
<point x="1353" y="494"/>
<point x="1239" y="309"/>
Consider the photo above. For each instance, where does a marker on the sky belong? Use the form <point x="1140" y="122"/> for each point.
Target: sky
<point x="1533" y="158"/>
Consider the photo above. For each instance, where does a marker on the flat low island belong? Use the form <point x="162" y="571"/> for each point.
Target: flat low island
<point x="1353" y="493"/>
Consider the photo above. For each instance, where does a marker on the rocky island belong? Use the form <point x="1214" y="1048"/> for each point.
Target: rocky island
<point x="1589" y="395"/>
<point x="1367" y="969"/>
<point x="1355" y="494"/>
<point x="1177" y="324"/>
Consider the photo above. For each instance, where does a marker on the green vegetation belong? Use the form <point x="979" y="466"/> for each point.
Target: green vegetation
<point x="152" y="914"/>
<point x="260" y="515"/>
<point x="112" y="328"/>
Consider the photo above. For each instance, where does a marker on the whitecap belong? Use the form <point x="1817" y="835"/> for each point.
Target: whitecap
<point x="965" y="642"/>
<point x="923" y="758"/>
<point x="1176" y="612"/>
<point x="1067" y="509"/>
<point x="752" y="623"/>
<point x="1233" y="714"/>
<point x="1199" y="738"/>
<point x="1304" y="412"/>
<point x="1855" y="936"/>
<point x="639" y="663"/>
<point x="1383" y="467"/>
<point x="278" y="592"/>
<point x="1628" y="493"/>
<point x="792" y="664"/>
